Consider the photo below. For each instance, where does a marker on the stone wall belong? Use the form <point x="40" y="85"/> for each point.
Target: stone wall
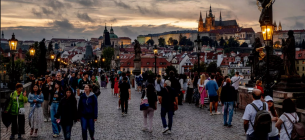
<point x="245" y="98"/>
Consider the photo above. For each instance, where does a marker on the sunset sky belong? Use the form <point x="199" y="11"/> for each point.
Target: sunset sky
<point x="37" y="19"/>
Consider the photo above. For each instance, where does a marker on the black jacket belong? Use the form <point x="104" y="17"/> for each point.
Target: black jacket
<point x="67" y="111"/>
<point x="46" y="90"/>
<point x="228" y="94"/>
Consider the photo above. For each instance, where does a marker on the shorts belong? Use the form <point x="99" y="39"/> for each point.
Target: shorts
<point x="213" y="98"/>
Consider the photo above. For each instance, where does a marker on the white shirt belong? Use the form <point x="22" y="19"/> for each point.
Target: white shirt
<point x="288" y="124"/>
<point x="274" y="132"/>
<point x="99" y="70"/>
<point x="250" y="114"/>
<point x="204" y="83"/>
<point x="236" y="80"/>
<point x="158" y="86"/>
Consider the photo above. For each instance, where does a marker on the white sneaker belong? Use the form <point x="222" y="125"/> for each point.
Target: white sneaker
<point x="165" y="130"/>
<point x="49" y="119"/>
<point x="211" y="114"/>
<point x="118" y="108"/>
<point x="169" y="132"/>
<point x="45" y="120"/>
<point x="217" y="113"/>
<point x="55" y="135"/>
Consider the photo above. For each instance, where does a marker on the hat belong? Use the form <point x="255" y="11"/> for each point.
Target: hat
<point x="268" y="98"/>
<point x="168" y="82"/>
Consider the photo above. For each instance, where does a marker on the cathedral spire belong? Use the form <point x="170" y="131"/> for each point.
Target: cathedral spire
<point x="200" y="18"/>
<point x="210" y="12"/>
<point x="220" y="16"/>
<point x="111" y="30"/>
<point x="200" y="23"/>
<point x="280" y="26"/>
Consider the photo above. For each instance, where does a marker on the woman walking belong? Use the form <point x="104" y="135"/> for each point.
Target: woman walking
<point x="152" y="101"/>
<point x="286" y="120"/>
<point x="56" y="96"/>
<point x="87" y="111"/>
<point x="190" y="89"/>
<point x="274" y="134"/>
<point x="103" y="80"/>
<point x="35" y="99"/>
<point x="95" y="86"/>
<point x="159" y="83"/>
<point x="116" y="85"/>
<point x="67" y="113"/>
<point x="16" y="109"/>
<point x="201" y="88"/>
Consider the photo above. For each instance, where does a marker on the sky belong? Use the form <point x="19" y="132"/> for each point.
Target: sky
<point x="85" y="19"/>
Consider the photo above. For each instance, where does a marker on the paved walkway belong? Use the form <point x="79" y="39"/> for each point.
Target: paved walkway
<point x="189" y="123"/>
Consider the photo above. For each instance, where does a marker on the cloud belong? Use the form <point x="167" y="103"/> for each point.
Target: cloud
<point x="121" y="4"/>
<point x="88" y="3"/>
<point x="62" y="24"/>
<point x="298" y="25"/>
<point x="84" y="17"/>
<point x="46" y="11"/>
<point x="57" y="5"/>
<point x="36" y="13"/>
<point x="294" y="18"/>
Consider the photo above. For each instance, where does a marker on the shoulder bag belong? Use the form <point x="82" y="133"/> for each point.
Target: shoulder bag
<point x="21" y="110"/>
<point x="144" y="103"/>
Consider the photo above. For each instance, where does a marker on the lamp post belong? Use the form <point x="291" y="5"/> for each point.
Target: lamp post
<point x="198" y="41"/>
<point x="52" y="59"/>
<point x="118" y="61"/>
<point x="267" y="31"/>
<point x="13" y="42"/>
<point x="32" y="54"/>
<point x="156" y="54"/>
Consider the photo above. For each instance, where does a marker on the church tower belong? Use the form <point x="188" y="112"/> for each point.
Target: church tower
<point x="111" y="30"/>
<point x="280" y="26"/>
<point x="275" y="27"/>
<point x="200" y="24"/>
<point x="220" y="19"/>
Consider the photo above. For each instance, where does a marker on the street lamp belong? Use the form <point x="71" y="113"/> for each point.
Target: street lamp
<point x="156" y="54"/>
<point x="32" y="53"/>
<point x="267" y="31"/>
<point x="52" y="59"/>
<point x="13" y="47"/>
<point x="198" y="41"/>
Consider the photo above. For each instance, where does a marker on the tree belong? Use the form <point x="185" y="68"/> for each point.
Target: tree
<point x="42" y="62"/>
<point x="232" y="73"/>
<point x="170" y="41"/>
<point x="151" y="42"/>
<point x="175" y="42"/>
<point x="161" y="41"/>
<point x="212" y="67"/>
<point x="207" y="41"/>
<point x="244" y="45"/>
<point x="108" y="53"/>
<point x="185" y="41"/>
<point x="18" y="69"/>
<point x="222" y="42"/>
<point x="170" y="68"/>
<point x="233" y="43"/>
<point x="203" y="67"/>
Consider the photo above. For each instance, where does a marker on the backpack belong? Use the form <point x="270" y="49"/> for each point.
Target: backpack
<point x="262" y="122"/>
<point x="298" y="130"/>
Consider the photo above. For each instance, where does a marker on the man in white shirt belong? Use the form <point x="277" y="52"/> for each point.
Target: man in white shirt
<point x="235" y="83"/>
<point x="249" y="116"/>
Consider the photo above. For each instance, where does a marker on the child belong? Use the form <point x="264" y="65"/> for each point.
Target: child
<point x="259" y="86"/>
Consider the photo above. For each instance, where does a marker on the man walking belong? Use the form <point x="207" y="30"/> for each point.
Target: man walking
<point x="235" y="83"/>
<point x="168" y="99"/>
<point x="212" y="88"/>
<point x="227" y="99"/>
<point x="250" y="117"/>
<point x="124" y="90"/>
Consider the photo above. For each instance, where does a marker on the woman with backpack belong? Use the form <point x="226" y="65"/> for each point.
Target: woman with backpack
<point x="16" y="109"/>
<point x="152" y="101"/>
<point x="35" y="99"/>
<point x="159" y="83"/>
<point x="287" y="120"/>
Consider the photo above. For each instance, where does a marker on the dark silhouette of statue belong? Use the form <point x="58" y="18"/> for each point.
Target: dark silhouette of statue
<point x="137" y="50"/>
<point x="289" y="55"/>
<point x="50" y="47"/>
<point x="266" y="12"/>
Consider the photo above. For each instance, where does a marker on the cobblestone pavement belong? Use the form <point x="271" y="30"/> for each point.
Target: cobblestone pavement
<point x="189" y="123"/>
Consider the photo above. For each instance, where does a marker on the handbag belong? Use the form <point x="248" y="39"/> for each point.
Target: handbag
<point x="144" y="104"/>
<point x="21" y="110"/>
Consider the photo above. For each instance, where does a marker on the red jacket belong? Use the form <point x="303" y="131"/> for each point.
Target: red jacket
<point x="260" y="88"/>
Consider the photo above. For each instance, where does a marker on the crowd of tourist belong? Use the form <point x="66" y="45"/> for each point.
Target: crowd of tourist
<point x="67" y="97"/>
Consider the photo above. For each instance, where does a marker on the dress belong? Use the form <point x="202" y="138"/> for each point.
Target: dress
<point x="116" y="85"/>
<point x="202" y="95"/>
<point x="36" y="121"/>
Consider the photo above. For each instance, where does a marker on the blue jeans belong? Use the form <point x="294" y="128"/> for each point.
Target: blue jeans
<point x="274" y="138"/>
<point x="87" y="124"/>
<point x="55" y="126"/>
<point x="66" y="129"/>
<point x="170" y="118"/>
<point x="228" y="110"/>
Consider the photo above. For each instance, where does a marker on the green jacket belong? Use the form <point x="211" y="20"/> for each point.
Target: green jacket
<point x="12" y="106"/>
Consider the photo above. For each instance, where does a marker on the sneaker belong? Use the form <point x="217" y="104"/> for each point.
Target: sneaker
<point x="118" y="108"/>
<point x="169" y="132"/>
<point x="55" y="135"/>
<point x="123" y="115"/>
<point x="225" y="125"/>
<point x="211" y="114"/>
<point x="34" y="135"/>
<point x="45" y="120"/>
<point x="49" y="119"/>
<point x="217" y="113"/>
<point x="165" y="130"/>
<point x="230" y="125"/>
